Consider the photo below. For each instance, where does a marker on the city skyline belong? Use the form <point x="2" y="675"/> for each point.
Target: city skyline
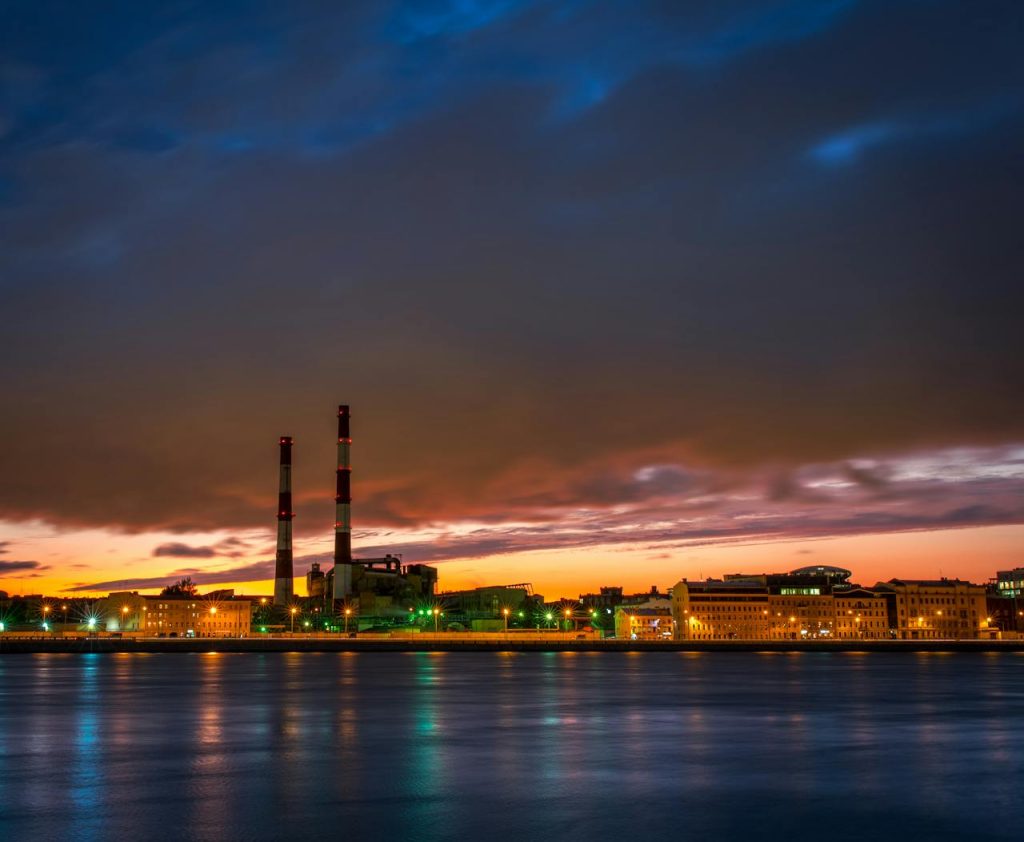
<point x="740" y="294"/>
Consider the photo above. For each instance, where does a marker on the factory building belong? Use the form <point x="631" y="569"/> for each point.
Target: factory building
<point x="482" y="609"/>
<point x="383" y="587"/>
<point x="369" y="588"/>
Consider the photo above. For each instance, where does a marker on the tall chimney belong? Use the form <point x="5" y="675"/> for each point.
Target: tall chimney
<point x="283" y="584"/>
<point x="343" y="510"/>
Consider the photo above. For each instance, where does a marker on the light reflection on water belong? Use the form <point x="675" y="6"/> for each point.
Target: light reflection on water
<point x="517" y="746"/>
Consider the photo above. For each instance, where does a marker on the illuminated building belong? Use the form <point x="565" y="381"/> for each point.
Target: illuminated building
<point x="644" y="622"/>
<point x="933" y="609"/>
<point x="795" y="616"/>
<point x="1010" y="583"/>
<point x="215" y="615"/>
<point x="819" y="603"/>
<point x="861" y="614"/>
<point x="1005" y="602"/>
<point x="720" y="610"/>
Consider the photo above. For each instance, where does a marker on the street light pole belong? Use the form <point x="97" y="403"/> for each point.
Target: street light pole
<point x="505" y="612"/>
<point x="348" y="611"/>
<point x="436" y="612"/>
<point x="294" y="611"/>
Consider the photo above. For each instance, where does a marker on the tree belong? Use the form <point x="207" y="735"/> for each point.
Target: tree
<point x="182" y="588"/>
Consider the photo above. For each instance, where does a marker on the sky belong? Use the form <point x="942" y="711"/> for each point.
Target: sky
<point x="618" y="292"/>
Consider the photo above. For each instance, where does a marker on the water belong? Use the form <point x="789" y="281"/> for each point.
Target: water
<point x="511" y="746"/>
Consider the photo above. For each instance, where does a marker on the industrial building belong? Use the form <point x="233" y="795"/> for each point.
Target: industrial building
<point x="483" y="608"/>
<point x="370" y="590"/>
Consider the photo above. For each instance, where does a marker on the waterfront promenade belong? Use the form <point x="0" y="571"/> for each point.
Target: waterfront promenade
<point x="456" y="642"/>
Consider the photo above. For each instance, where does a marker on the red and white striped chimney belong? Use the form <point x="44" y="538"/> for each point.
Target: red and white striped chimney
<point x="283" y="573"/>
<point x="343" y="510"/>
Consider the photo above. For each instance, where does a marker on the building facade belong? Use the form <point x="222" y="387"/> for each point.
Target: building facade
<point x="721" y="610"/>
<point x="936" y="609"/>
<point x="645" y="622"/>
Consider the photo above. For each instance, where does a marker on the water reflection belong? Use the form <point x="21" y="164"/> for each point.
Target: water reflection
<point x="571" y="746"/>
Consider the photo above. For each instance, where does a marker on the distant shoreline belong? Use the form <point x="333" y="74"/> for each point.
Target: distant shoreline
<point x="514" y="644"/>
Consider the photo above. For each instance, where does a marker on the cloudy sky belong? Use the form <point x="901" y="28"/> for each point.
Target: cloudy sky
<point x="618" y="292"/>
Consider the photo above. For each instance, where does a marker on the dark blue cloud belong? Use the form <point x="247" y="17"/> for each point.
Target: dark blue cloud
<point x="501" y="228"/>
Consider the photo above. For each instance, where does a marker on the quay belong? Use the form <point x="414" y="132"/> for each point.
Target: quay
<point x="455" y="642"/>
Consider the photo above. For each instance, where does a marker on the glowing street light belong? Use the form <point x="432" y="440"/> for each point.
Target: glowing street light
<point x="64" y="608"/>
<point x="348" y="613"/>
<point x="294" y="611"/>
<point x="437" y="613"/>
<point x="505" y="612"/>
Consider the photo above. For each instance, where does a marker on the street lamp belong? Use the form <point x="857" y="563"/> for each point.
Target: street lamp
<point x="548" y="616"/>
<point x="124" y="616"/>
<point x="294" y="611"/>
<point x="568" y="617"/>
<point x="437" y="612"/>
<point x="348" y="613"/>
<point x="64" y="607"/>
<point x="505" y="612"/>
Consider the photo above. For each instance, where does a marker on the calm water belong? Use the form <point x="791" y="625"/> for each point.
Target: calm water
<point x="526" y="746"/>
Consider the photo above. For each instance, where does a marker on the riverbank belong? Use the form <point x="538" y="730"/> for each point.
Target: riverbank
<point x="497" y="643"/>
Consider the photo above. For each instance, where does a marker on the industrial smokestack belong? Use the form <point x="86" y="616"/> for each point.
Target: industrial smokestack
<point x="283" y="584"/>
<point x="343" y="510"/>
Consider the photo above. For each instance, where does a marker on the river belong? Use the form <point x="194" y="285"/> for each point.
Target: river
<point x="536" y="746"/>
